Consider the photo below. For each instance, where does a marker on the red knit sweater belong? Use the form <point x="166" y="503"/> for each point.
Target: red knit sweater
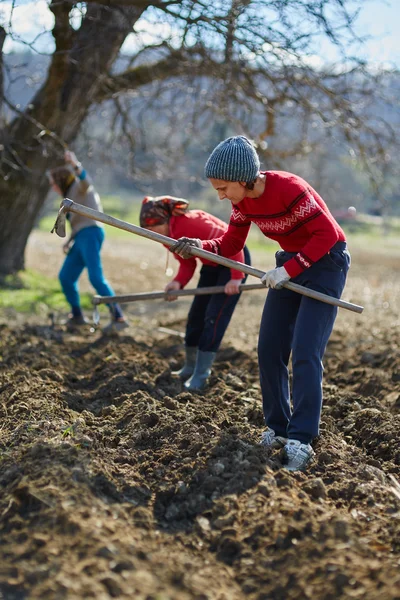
<point x="289" y="211"/>
<point x="202" y="225"/>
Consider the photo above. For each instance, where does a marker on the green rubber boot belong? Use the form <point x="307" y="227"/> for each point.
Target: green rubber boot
<point x="190" y="362"/>
<point x="202" y="371"/>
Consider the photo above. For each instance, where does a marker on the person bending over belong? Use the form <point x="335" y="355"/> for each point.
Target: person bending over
<point x="313" y="254"/>
<point x="209" y="315"/>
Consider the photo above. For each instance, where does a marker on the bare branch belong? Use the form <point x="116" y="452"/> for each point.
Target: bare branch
<point x="209" y="69"/>
<point x="176" y="64"/>
<point x="3" y="36"/>
<point x="138" y="4"/>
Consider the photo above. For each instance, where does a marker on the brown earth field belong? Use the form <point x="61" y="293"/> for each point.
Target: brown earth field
<point x="117" y="483"/>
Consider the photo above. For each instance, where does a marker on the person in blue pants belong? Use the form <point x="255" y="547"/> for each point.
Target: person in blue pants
<point x="84" y="245"/>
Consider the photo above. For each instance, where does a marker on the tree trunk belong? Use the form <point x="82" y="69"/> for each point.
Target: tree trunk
<point x="18" y="215"/>
<point x="81" y="61"/>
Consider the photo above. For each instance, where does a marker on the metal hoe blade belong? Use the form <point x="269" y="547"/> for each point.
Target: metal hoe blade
<point x="59" y="225"/>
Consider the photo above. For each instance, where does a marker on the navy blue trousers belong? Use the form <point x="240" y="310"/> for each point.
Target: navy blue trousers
<point x="295" y="325"/>
<point x="209" y="316"/>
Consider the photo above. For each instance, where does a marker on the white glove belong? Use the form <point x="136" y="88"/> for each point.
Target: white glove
<point x="275" y="278"/>
<point x="183" y="246"/>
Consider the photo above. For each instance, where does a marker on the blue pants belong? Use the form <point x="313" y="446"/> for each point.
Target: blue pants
<point x="85" y="252"/>
<point x="209" y="316"/>
<point x="300" y="326"/>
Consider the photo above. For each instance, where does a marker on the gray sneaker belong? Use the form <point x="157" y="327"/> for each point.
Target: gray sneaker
<point x="297" y="456"/>
<point x="115" y="326"/>
<point x="270" y="440"/>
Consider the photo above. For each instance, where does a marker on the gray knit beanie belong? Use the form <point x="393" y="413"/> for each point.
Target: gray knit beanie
<point x="234" y="159"/>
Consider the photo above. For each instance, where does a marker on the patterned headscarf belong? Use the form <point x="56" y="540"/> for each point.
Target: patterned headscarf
<point x="159" y="210"/>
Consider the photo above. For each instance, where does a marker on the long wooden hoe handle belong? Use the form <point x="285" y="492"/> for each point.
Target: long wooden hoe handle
<point x="204" y="291"/>
<point x="71" y="206"/>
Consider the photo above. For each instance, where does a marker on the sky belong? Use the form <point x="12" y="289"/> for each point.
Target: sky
<point x="379" y="20"/>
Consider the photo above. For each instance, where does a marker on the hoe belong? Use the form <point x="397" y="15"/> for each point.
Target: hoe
<point x="68" y="205"/>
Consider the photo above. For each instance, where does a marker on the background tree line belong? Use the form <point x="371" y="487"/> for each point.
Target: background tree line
<point x="144" y="90"/>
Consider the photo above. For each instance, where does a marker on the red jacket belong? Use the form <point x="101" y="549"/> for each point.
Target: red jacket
<point x="289" y="211"/>
<point x="202" y="225"/>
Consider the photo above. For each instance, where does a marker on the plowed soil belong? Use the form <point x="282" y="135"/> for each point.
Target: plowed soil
<point x="117" y="483"/>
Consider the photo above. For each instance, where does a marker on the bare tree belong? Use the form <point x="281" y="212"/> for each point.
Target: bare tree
<point x="243" y="61"/>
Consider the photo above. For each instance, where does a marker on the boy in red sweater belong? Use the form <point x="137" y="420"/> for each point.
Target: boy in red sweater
<point x="314" y="254"/>
<point x="209" y="315"/>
